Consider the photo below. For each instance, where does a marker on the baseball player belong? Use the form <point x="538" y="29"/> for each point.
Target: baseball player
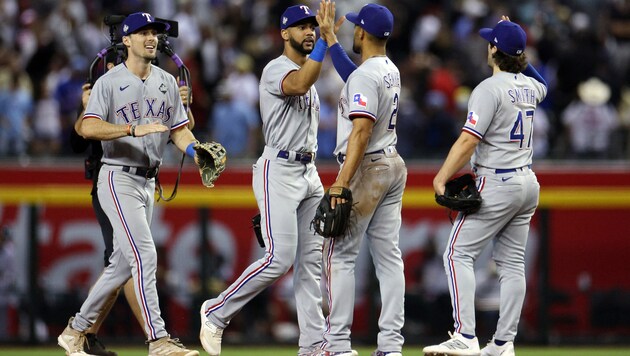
<point x="93" y="165"/>
<point x="497" y="141"/>
<point x="134" y="109"/>
<point x="286" y="185"/>
<point x="371" y="167"/>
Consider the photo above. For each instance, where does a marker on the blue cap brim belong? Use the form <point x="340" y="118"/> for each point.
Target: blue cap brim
<point x="353" y="17"/>
<point x="161" y="27"/>
<point x="311" y="19"/>
<point x="486" y="34"/>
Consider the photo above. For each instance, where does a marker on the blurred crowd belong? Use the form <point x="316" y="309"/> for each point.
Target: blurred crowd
<point x="581" y="47"/>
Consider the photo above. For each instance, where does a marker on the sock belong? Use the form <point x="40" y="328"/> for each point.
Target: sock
<point x="468" y="336"/>
<point x="499" y="342"/>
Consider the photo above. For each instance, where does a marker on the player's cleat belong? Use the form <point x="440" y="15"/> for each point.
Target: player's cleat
<point x="386" y="353"/>
<point x="94" y="346"/>
<point x="339" y="353"/>
<point x="72" y="341"/>
<point x="210" y="335"/>
<point x="171" y="347"/>
<point x="493" y="349"/>
<point x="457" y="345"/>
<point x="354" y="352"/>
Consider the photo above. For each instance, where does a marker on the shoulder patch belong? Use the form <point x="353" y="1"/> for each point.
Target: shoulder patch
<point x="472" y="118"/>
<point x="360" y="99"/>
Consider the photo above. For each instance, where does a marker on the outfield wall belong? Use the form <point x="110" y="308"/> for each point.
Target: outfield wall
<point x="577" y="259"/>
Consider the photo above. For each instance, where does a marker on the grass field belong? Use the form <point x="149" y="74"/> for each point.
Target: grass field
<point x="289" y="351"/>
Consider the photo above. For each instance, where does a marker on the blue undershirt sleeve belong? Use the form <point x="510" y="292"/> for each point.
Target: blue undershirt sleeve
<point x="342" y="63"/>
<point x="531" y="72"/>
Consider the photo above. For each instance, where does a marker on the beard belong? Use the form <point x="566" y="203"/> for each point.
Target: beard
<point x="299" y="46"/>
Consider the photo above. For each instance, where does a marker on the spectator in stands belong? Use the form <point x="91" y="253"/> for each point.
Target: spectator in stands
<point x="624" y="118"/>
<point x="440" y="128"/>
<point x="46" y="125"/>
<point x="8" y="295"/>
<point x="16" y="106"/>
<point x="590" y="120"/>
<point x="243" y="83"/>
<point x="234" y="124"/>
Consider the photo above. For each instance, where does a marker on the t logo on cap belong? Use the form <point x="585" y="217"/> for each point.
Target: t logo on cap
<point x="294" y="14"/>
<point x="507" y="36"/>
<point x="139" y="20"/>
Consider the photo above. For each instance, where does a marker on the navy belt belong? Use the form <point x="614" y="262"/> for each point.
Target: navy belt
<point x="341" y="157"/>
<point x="302" y="157"/>
<point x="142" y="172"/>
<point x="510" y="170"/>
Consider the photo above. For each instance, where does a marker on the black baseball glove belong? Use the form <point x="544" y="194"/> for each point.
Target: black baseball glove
<point x="211" y="158"/>
<point x="461" y="194"/>
<point x="330" y="222"/>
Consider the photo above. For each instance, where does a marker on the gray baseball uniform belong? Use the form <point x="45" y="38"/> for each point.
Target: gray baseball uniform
<point x="126" y="185"/>
<point x="501" y="114"/>
<point x="287" y="189"/>
<point x="372" y="91"/>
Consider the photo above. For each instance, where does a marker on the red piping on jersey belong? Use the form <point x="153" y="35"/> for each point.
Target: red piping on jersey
<point x="358" y="113"/>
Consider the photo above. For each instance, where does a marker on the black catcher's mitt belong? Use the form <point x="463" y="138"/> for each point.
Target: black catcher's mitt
<point x="211" y="158"/>
<point x="329" y="222"/>
<point x="461" y="194"/>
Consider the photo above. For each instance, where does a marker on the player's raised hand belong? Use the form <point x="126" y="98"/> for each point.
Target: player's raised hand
<point x="326" y="19"/>
<point x="146" y="129"/>
<point x="339" y="23"/>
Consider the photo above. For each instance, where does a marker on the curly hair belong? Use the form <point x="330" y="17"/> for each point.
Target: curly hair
<point x="511" y="64"/>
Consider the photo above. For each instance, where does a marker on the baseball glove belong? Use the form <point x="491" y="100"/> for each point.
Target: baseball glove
<point x="211" y="158"/>
<point x="461" y="194"/>
<point x="330" y="222"/>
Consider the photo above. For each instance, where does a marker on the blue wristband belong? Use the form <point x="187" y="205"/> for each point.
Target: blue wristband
<point x="319" y="52"/>
<point x="190" y="151"/>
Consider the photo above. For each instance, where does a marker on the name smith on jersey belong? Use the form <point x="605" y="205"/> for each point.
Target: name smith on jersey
<point x="522" y="95"/>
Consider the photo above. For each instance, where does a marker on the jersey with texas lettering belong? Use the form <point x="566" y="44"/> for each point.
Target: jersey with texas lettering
<point x="120" y="97"/>
<point x="372" y="91"/>
<point x="501" y="113"/>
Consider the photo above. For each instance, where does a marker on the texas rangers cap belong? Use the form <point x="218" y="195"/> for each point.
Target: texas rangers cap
<point x="508" y="36"/>
<point x="138" y="20"/>
<point x="294" y="14"/>
<point x="377" y="20"/>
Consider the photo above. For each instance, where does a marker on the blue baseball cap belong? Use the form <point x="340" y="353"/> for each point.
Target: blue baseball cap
<point x="295" y="14"/>
<point x="138" y="20"/>
<point x="377" y="20"/>
<point x="507" y="36"/>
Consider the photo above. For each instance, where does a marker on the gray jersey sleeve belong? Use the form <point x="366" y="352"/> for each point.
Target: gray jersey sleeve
<point x="274" y="76"/>
<point x="482" y="106"/>
<point x="179" y="113"/>
<point x="363" y="97"/>
<point x="99" y="102"/>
